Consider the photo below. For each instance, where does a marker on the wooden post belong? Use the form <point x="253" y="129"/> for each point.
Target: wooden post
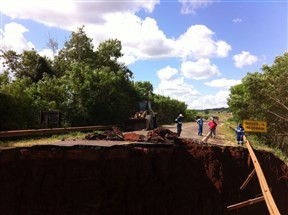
<point x="206" y="137"/>
<point x="273" y="210"/>
<point x="247" y="180"/>
<point x="245" y="203"/>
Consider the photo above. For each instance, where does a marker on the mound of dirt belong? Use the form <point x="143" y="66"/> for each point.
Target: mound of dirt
<point x="138" y="179"/>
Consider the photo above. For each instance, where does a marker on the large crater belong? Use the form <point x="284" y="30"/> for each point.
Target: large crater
<point x="138" y="179"/>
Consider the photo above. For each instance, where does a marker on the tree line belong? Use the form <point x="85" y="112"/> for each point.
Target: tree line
<point x="88" y="86"/>
<point x="264" y="96"/>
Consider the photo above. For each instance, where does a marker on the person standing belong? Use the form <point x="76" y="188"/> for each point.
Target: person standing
<point x="240" y="132"/>
<point x="212" y="126"/>
<point x="200" y="126"/>
<point x="179" y="121"/>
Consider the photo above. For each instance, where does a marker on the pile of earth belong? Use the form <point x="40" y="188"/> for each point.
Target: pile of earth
<point x="158" y="135"/>
<point x="181" y="177"/>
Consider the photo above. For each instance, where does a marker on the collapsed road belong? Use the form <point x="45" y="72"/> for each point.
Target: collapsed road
<point x="158" y="173"/>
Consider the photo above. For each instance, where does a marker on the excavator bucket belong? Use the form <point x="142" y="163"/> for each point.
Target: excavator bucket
<point x="144" y="119"/>
<point x="134" y="124"/>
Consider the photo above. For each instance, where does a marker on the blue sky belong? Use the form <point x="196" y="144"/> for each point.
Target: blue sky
<point x="190" y="50"/>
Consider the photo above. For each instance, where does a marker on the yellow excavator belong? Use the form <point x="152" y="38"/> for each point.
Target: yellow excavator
<point x="144" y="119"/>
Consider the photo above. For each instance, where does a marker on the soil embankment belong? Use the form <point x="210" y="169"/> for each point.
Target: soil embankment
<point x="138" y="179"/>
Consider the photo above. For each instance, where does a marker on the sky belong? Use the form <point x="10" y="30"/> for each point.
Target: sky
<point x="189" y="50"/>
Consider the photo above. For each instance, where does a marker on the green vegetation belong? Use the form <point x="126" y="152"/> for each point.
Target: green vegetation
<point x="88" y="86"/>
<point x="222" y="113"/>
<point x="264" y="96"/>
<point x="255" y="139"/>
<point x="40" y="140"/>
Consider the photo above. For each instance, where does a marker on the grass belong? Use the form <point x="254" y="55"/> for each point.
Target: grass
<point x="30" y="141"/>
<point x="227" y="133"/>
<point x="230" y="137"/>
<point x="257" y="145"/>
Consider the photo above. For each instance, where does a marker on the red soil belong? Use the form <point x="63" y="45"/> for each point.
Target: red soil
<point x="138" y="179"/>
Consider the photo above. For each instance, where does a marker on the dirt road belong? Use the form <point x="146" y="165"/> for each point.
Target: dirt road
<point x="190" y="130"/>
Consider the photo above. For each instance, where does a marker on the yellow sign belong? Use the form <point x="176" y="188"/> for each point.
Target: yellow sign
<point x="255" y="126"/>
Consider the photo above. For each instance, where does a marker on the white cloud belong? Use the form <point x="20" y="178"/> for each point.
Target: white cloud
<point x="211" y="101"/>
<point x="244" y="59"/>
<point x="177" y="89"/>
<point x="141" y="39"/>
<point x="47" y="52"/>
<point x="237" y="20"/>
<point x="12" y="37"/>
<point x="173" y="84"/>
<point x="66" y="14"/>
<point x="197" y="42"/>
<point x="190" y="6"/>
<point x="127" y="59"/>
<point x="223" y="83"/>
<point x="201" y="69"/>
<point x="2" y="68"/>
<point x="222" y="49"/>
<point x="181" y="91"/>
<point x="167" y="73"/>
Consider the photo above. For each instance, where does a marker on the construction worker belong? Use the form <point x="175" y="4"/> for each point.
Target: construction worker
<point x="212" y="127"/>
<point x="200" y="126"/>
<point x="239" y="134"/>
<point x="179" y="121"/>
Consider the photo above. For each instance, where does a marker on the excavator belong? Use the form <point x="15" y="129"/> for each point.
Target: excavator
<point x="144" y="119"/>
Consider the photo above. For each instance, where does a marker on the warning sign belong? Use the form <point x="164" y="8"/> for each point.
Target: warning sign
<point x="255" y="126"/>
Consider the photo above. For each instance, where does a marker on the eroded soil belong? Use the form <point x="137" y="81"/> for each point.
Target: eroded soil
<point x="180" y="177"/>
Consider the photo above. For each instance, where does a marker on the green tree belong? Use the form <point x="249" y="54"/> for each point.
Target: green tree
<point x="11" y="61"/>
<point x="190" y="115"/>
<point x="49" y="94"/>
<point x="97" y="96"/>
<point x="16" y="108"/>
<point x="263" y="96"/>
<point x="144" y="89"/>
<point x="167" y="109"/>
<point x="52" y="44"/>
<point x="238" y="102"/>
<point x="4" y="78"/>
<point x="108" y="54"/>
<point x="88" y="86"/>
<point x="78" y="49"/>
<point x="27" y="64"/>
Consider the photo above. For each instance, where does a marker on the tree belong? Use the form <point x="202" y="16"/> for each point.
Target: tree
<point x="7" y="109"/>
<point x="97" y="96"/>
<point x="4" y="78"/>
<point x="190" y="115"/>
<point x="144" y="89"/>
<point x="78" y="48"/>
<point x="167" y="109"/>
<point x="11" y="61"/>
<point x="27" y="64"/>
<point x="98" y="86"/>
<point x="264" y="96"/>
<point x="52" y="44"/>
<point x="87" y="86"/>
<point x="107" y="55"/>
<point x="16" y="105"/>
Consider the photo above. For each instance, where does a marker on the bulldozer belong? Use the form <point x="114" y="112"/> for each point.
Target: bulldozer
<point x="144" y="119"/>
